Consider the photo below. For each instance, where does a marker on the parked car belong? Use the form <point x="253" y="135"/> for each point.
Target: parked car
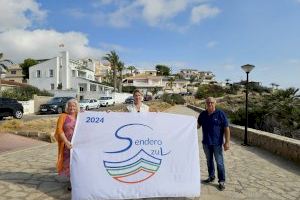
<point x="10" y="107"/>
<point x="55" y="105"/>
<point x="106" y="101"/>
<point x="129" y="100"/>
<point x="148" y="98"/>
<point x="185" y="93"/>
<point x="87" y="104"/>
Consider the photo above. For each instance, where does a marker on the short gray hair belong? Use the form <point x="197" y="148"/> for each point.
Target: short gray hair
<point x="210" y="99"/>
<point x="72" y="101"/>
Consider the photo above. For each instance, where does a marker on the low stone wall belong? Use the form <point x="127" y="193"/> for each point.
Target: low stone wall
<point x="283" y="146"/>
<point x="28" y="106"/>
<point x="38" y="100"/>
<point x="36" y="135"/>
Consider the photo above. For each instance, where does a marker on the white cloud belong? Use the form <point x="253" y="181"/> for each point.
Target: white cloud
<point x="18" y="44"/>
<point x="76" y="13"/>
<point x="202" y="12"/>
<point x="115" y="47"/>
<point x="158" y="13"/>
<point x="294" y="61"/>
<point x="211" y="44"/>
<point x="229" y="66"/>
<point x="123" y="16"/>
<point x="16" y="14"/>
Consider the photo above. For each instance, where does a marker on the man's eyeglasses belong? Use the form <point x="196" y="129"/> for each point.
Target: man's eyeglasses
<point x="210" y="102"/>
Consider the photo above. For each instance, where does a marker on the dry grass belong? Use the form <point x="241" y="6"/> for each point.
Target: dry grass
<point x="47" y="125"/>
<point x="39" y="125"/>
<point x="159" y="106"/>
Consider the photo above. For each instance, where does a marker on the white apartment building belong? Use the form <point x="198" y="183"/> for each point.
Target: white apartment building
<point x="62" y="74"/>
<point x="207" y="77"/>
<point x="188" y="73"/>
<point x="148" y="72"/>
<point x="13" y="73"/>
<point x="144" y="81"/>
<point x="204" y="77"/>
<point x="149" y="82"/>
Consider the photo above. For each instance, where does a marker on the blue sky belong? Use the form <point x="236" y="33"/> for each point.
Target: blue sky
<point x="210" y="35"/>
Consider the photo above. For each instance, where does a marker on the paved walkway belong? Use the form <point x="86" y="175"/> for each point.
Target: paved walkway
<point x="252" y="173"/>
<point x="9" y="142"/>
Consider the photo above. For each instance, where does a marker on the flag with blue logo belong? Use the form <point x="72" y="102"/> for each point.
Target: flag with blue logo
<point x="134" y="155"/>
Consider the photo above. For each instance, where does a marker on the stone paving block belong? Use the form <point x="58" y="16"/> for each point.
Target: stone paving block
<point x="251" y="173"/>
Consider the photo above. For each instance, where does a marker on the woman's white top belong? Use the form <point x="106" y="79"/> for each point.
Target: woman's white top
<point x="143" y="108"/>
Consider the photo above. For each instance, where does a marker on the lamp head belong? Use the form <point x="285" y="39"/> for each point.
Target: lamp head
<point x="247" y="68"/>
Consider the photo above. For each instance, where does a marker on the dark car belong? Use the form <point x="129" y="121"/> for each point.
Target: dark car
<point x="10" y="107"/>
<point x="148" y="98"/>
<point x="129" y="100"/>
<point x="55" y="105"/>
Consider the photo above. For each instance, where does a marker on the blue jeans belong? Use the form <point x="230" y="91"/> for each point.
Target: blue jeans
<point x="216" y="151"/>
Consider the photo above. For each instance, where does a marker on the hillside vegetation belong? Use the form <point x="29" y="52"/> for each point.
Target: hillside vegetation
<point x="276" y="111"/>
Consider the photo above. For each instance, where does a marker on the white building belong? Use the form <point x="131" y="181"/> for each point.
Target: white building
<point x="148" y="72"/>
<point x="203" y="77"/>
<point x="188" y="73"/>
<point x="62" y="75"/>
<point x="12" y="73"/>
<point x="161" y="83"/>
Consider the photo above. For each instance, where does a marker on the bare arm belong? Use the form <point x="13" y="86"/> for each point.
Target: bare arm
<point x="65" y="140"/>
<point x="227" y="138"/>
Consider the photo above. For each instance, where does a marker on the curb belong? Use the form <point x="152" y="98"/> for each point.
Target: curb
<point x="43" y="136"/>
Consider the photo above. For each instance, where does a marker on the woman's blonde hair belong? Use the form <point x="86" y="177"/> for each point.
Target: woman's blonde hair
<point x="137" y="91"/>
<point x="72" y="101"/>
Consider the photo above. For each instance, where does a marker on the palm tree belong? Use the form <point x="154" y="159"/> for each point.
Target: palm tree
<point x="171" y="81"/>
<point x="131" y="68"/>
<point x="227" y="81"/>
<point x="120" y="68"/>
<point x="3" y="63"/>
<point x="113" y="59"/>
<point x="274" y="86"/>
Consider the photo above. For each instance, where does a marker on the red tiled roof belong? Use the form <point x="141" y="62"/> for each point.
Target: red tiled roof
<point x="4" y="82"/>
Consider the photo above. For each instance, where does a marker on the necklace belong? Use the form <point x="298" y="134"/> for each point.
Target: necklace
<point x="137" y="107"/>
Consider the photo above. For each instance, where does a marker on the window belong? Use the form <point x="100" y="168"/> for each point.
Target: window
<point x="14" y="72"/>
<point x="51" y="73"/>
<point x="38" y="73"/>
<point x="73" y="73"/>
<point x="52" y="86"/>
<point x="93" y="88"/>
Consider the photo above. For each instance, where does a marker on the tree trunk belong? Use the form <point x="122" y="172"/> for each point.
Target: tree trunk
<point x="115" y="78"/>
<point x="120" y="85"/>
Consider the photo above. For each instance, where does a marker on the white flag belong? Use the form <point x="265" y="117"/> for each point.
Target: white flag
<point x="134" y="155"/>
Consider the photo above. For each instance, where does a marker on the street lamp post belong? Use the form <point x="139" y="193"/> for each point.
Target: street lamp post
<point x="247" y="68"/>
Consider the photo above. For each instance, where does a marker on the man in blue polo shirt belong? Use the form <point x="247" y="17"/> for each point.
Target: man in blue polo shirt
<point x="214" y="127"/>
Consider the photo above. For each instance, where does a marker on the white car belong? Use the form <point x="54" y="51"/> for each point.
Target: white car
<point x="87" y="104"/>
<point x="106" y="101"/>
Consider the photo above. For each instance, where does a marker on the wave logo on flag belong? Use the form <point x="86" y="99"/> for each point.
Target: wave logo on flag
<point x="142" y="165"/>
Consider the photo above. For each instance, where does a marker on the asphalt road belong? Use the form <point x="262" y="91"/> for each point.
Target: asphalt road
<point x="30" y="117"/>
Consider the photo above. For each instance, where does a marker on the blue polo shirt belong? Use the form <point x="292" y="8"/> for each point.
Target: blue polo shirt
<point x="213" y="126"/>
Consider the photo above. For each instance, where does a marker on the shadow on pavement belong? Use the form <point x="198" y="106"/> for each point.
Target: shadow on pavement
<point x="48" y="183"/>
<point x="271" y="158"/>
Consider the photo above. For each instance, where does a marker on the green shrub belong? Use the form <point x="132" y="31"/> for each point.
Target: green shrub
<point x="128" y="89"/>
<point x="173" y="99"/>
<point x="24" y="93"/>
<point x="205" y="91"/>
